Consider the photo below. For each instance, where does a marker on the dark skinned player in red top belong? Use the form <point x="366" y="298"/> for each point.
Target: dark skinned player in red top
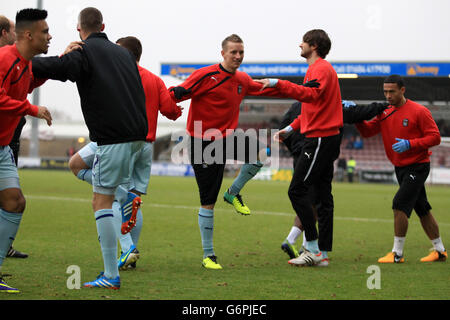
<point x="16" y="82"/>
<point x="408" y="131"/>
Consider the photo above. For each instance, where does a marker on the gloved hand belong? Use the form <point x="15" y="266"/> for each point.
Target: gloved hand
<point x="311" y="84"/>
<point x="401" y="146"/>
<point x="348" y="103"/>
<point x="179" y="92"/>
<point x="380" y="106"/>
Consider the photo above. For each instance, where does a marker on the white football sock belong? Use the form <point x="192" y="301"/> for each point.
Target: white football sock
<point x="399" y="242"/>
<point x="294" y="234"/>
<point x="438" y="245"/>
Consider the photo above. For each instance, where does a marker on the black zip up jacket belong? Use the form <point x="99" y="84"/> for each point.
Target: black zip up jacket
<point x="294" y="142"/>
<point x="109" y="85"/>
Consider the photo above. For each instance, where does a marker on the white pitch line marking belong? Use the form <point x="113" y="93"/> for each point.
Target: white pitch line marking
<point x="160" y="205"/>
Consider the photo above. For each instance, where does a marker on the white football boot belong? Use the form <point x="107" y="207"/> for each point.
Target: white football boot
<point x="307" y="259"/>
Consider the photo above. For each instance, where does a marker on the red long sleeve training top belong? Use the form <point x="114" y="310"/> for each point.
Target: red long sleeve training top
<point x="16" y="82"/>
<point x="322" y="107"/>
<point x="157" y="98"/>
<point x="411" y="121"/>
<point x="216" y="95"/>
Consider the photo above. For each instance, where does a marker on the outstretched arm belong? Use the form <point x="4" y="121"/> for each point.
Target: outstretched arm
<point x="355" y="113"/>
<point x="307" y="92"/>
<point x="69" y="66"/>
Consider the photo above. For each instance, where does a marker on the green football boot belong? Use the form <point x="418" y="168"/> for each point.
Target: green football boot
<point x="210" y="262"/>
<point x="290" y="249"/>
<point x="237" y="203"/>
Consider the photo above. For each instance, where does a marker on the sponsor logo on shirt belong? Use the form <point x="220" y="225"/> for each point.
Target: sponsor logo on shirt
<point x="405" y="122"/>
<point x="239" y="89"/>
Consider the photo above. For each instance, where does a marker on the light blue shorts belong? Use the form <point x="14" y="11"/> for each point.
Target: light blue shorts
<point x="121" y="164"/>
<point x="9" y="178"/>
<point x="142" y="169"/>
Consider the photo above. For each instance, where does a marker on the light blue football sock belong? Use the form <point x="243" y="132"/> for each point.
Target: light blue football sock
<point x="121" y="194"/>
<point x="117" y="218"/>
<point x="136" y="231"/>
<point x="85" y="175"/>
<point x="107" y="235"/>
<point x="132" y="237"/>
<point x="313" y="246"/>
<point x="248" y="171"/>
<point x="324" y="254"/>
<point x="206" y="224"/>
<point x="9" y="224"/>
<point x="124" y="239"/>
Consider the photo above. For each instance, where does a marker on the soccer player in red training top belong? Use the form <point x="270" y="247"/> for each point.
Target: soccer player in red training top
<point x="216" y="93"/>
<point x="319" y="121"/>
<point x="408" y="131"/>
<point x="16" y="82"/>
<point x="8" y="37"/>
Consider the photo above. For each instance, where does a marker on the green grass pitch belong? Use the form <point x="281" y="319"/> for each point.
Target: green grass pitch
<point x="58" y="230"/>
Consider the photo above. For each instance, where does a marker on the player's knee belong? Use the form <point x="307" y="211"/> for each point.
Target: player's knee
<point x="73" y="165"/>
<point x="16" y="203"/>
<point x="21" y="204"/>
<point x="298" y="193"/>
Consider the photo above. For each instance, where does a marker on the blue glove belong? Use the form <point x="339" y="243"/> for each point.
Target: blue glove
<point x="348" y="103"/>
<point x="401" y="146"/>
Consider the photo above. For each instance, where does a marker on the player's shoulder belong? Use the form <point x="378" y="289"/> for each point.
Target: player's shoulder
<point x="322" y="66"/>
<point x="242" y="74"/>
<point x="204" y="72"/>
<point x="145" y="72"/>
<point x="7" y="54"/>
<point x="214" y="68"/>
<point x="242" y="77"/>
<point x="413" y="105"/>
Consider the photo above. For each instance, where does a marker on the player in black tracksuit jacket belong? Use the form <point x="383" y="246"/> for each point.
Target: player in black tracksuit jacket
<point x="109" y="85"/>
<point x="294" y="143"/>
<point x="113" y="106"/>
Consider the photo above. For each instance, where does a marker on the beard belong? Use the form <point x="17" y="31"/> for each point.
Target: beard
<point x="305" y="54"/>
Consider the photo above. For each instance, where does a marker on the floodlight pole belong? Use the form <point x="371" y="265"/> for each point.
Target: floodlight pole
<point x="34" y="138"/>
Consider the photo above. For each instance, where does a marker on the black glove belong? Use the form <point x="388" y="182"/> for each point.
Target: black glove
<point x="379" y="106"/>
<point x="311" y="84"/>
<point x="179" y="92"/>
<point x="360" y="113"/>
